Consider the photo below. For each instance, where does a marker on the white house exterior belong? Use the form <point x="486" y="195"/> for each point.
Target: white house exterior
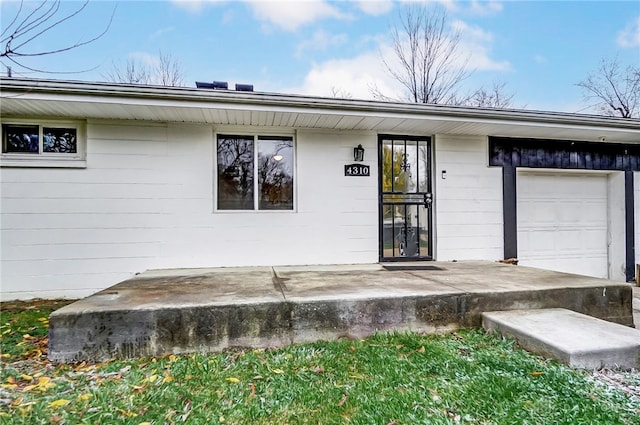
<point x="102" y="181"/>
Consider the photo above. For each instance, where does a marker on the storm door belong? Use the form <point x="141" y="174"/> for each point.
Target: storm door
<point x="405" y="198"/>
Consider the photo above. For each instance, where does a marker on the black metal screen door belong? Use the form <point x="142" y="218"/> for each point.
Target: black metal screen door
<point x="405" y="198"/>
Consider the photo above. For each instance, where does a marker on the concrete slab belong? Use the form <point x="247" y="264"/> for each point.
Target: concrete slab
<point x="170" y="311"/>
<point x="572" y="338"/>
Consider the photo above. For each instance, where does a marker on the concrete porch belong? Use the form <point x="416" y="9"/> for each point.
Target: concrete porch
<point x="172" y="311"/>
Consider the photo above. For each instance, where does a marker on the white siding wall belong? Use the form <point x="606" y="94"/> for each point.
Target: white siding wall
<point x="146" y="201"/>
<point x="636" y="210"/>
<point x="468" y="204"/>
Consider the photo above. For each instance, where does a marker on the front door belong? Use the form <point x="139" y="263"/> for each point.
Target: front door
<point x="405" y="198"/>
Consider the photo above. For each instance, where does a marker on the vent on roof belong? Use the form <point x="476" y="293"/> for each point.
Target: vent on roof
<point x="216" y="85"/>
<point x="244" y="87"/>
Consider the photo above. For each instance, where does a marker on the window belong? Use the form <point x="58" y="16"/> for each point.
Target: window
<point x="255" y="173"/>
<point x="48" y="144"/>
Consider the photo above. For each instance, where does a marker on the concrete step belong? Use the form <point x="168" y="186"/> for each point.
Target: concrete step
<point x="572" y="338"/>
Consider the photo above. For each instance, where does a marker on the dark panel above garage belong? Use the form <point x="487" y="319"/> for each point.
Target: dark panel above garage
<point x="563" y="154"/>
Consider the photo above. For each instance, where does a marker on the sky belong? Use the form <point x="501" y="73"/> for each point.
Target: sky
<point x="538" y="49"/>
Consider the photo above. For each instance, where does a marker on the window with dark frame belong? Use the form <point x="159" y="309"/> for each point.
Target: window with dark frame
<point x="38" y="139"/>
<point x="254" y="173"/>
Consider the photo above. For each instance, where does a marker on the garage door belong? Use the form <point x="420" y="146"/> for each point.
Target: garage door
<point x="562" y="222"/>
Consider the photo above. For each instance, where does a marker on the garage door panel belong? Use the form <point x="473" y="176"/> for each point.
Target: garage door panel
<point x="590" y="266"/>
<point x="562" y="222"/>
<point x="554" y="241"/>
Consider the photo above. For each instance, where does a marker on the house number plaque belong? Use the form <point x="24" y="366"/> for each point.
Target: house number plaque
<point x="357" y="170"/>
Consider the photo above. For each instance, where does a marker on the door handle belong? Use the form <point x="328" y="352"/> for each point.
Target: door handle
<point x="427" y="200"/>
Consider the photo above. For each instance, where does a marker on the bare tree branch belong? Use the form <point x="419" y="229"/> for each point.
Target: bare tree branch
<point x="338" y="93"/>
<point x="132" y="72"/>
<point x="429" y="62"/>
<point x="166" y="71"/>
<point x="612" y="91"/>
<point x="495" y="97"/>
<point x="169" y="70"/>
<point x="24" y="32"/>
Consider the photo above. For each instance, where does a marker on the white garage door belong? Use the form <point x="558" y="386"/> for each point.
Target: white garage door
<point x="562" y="222"/>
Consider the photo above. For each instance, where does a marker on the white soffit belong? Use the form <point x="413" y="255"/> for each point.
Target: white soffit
<point x="81" y="100"/>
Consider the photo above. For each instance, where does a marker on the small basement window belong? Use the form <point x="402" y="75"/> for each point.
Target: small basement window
<point x="51" y="144"/>
<point x="255" y="172"/>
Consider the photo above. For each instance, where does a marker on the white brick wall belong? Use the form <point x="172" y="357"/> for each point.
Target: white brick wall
<point x="468" y="203"/>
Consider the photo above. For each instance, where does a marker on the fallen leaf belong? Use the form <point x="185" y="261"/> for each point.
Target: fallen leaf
<point x="537" y="373"/>
<point x="233" y="380"/>
<point x="252" y="394"/>
<point x="421" y="349"/>
<point x="84" y="397"/>
<point x="277" y="371"/>
<point x="25" y="377"/>
<point x="343" y="400"/>
<point x="127" y="413"/>
<point x="319" y="370"/>
<point x="58" y="403"/>
<point x="138" y="388"/>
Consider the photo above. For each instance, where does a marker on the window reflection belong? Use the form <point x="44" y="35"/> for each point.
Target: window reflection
<point x="275" y="173"/>
<point x="21" y="139"/>
<point x="235" y="173"/>
<point x="239" y="157"/>
<point x="59" y="140"/>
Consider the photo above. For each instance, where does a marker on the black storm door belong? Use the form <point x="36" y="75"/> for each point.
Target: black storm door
<point x="405" y="198"/>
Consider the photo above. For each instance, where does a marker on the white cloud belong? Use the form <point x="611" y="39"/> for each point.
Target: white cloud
<point x="320" y="41"/>
<point x="290" y="15"/>
<point x="192" y="6"/>
<point x="358" y="75"/>
<point x="630" y="35"/>
<point x="475" y="43"/>
<point x="354" y="77"/>
<point x="485" y="7"/>
<point x="375" y="7"/>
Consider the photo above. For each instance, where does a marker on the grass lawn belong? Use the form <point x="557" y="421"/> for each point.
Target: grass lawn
<point x="467" y="377"/>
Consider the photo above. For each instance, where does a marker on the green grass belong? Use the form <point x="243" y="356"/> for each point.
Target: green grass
<point x="467" y="377"/>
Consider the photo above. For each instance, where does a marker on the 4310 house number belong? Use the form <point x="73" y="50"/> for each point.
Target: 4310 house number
<point x="357" y="170"/>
